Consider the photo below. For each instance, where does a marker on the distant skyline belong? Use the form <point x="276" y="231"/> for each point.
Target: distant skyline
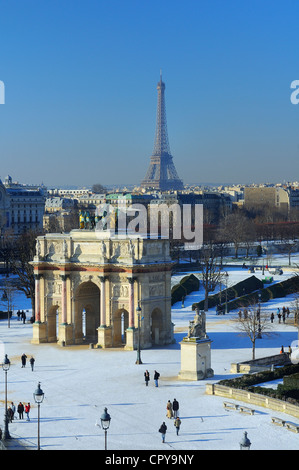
<point x="80" y="82"/>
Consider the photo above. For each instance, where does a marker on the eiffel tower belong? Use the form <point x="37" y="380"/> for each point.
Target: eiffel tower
<point x="161" y="173"/>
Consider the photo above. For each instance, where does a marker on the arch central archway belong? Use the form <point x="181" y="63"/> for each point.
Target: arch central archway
<point x="87" y="312"/>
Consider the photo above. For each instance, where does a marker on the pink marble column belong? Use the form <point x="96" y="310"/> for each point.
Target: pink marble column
<point x="103" y="302"/>
<point x="131" y="302"/>
<point x="63" y="300"/>
<point x="37" y="298"/>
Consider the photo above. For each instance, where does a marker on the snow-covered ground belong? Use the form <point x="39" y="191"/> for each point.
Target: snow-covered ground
<point x="79" y="382"/>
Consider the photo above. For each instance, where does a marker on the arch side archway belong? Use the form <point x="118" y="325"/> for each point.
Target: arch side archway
<point x="156" y="325"/>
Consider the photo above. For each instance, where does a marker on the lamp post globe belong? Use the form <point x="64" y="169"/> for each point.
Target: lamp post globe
<point x="6" y="364"/>
<point x="245" y="442"/>
<point x="105" y="419"/>
<point x="38" y="394"/>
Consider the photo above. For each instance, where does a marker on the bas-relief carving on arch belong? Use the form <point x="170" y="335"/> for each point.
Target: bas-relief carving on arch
<point x="134" y="273"/>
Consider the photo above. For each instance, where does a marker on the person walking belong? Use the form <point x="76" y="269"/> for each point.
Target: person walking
<point x="32" y="361"/>
<point x="156" y="378"/>
<point x="20" y="410"/>
<point x="23" y="359"/>
<point x="175" y="407"/>
<point x="13" y="409"/>
<point x="169" y="409"/>
<point x="162" y="430"/>
<point x="283" y="317"/>
<point x="146" y="377"/>
<point x="177" y="423"/>
<point x="272" y="317"/>
<point x="27" y="410"/>
<point x="9" y="414"/>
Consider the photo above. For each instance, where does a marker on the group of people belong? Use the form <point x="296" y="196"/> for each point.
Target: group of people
<point x="147" y="378"/>
<point x="281" y="315"/>
<point x="282" y="351"/>
<point x="172" y="408"/>
<point x="24" y="360"/>
<point x="172" y="412"/>
<point x="11" y="410"/>
<point x="21" y="315"/>
<point x="21" y="408"/>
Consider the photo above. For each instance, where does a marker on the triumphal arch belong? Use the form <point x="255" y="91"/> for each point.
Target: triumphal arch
<point x="96" y="287"/>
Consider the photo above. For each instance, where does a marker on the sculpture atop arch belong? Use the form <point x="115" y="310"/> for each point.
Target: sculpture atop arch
<point x="89" y="283"/>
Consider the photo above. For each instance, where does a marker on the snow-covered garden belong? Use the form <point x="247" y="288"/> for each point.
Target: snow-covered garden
<point x="79" y="382"/>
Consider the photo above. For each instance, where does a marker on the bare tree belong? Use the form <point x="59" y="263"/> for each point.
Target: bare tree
<point x="288" y="247"/>
<point x="21" y="257"/>
<point x="98" y="188"/>
<point x="7" y="299"/>
<point x="211" y="274"/>
<point x="236" y="228"/>
<point x="253" y="323"/>
<point x="6" y="245"/>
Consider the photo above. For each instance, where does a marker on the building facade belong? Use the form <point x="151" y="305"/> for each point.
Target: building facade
<point x="4" y="208"/>
<point x="267" y="196"/>
<point x="24" y="206"/>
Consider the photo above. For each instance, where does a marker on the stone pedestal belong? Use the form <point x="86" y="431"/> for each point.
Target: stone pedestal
<point x="104" y="337"/>
<point x="65" y="334"/>
<point x="131" y="338"/>
<point x="39" y="333"/>
<point x="195" y="359"/>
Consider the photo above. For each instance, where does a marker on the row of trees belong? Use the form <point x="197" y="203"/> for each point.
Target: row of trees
<point x="238" y="228"/>
<point x="17" y="253"/>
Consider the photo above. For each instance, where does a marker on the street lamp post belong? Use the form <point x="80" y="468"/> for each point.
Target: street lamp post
<point x="259" y="317"/>
<point x="226" y="274"/>
<point x="105" y="423"/>
<point x="5" y="367"/>
<point x="138" y="360"/>
<point x="5" y="298"/>
<point x="38" y="396"/>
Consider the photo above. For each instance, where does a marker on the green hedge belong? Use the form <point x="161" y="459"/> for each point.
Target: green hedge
<point x="291" y="381"/>
<point x="279" y="290"/>
<point x="248" y="380"/>
<point x="187" y="285"/>
<point x="3" y="314"/>
<point x="253" y="287"/>
<point x="250" y="284"/>
<point x="287" y="391"/>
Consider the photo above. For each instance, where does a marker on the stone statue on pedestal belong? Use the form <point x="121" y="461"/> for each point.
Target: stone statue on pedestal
<point x="197" y="327"/>
<point x="196" y="351"/>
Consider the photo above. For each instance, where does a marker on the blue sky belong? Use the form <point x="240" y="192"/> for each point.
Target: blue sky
<point x="80" y="89"/>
